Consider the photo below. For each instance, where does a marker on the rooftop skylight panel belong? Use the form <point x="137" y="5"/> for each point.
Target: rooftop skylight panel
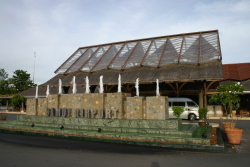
<point x="82" y="60"/>
<point x="190" y="49"/>
<point x="90" y="63"/>
<point x="138" y="54"/>
<point x="154" y="53"/>
<point x="122" y="56"/>
<point x="108" y="57"/>
<point x="71" y="60"/>
<point x="170" y="54"/>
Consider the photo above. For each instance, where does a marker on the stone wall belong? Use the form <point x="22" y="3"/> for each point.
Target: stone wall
<point x="31" y="107"/>
<point x="83" y="101"/>
<point x="117" y="101"/>
<point x="53" y="101"/>
<point x="41" y="106"/>
<point x="157" y="107"/>
<point x="135" y="108"/>
<point x="101" y="105"/>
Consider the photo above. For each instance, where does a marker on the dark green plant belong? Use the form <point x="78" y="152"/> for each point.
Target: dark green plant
<point x="21" y="80"/>
<point x="177" y="111"/>
<point x="3" y="74"/>
<point x="17" y="100"/>
<point x="203" y="113"/>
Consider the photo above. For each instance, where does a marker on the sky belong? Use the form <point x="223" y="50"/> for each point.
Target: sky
<point x="37" y="36"/>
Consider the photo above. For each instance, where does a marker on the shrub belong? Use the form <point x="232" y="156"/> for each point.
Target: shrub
<point x="177" y="111"/>
<point x="203" y="113"/>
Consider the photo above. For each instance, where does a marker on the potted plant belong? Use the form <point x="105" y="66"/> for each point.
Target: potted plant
<point x="228" y="96"/>
<point x="177" y="111"/>
<point x="202" y="116"/>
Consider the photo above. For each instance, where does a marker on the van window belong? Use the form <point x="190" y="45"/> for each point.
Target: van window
<point x="191" y="104"/>
<point x="179" y="104"/>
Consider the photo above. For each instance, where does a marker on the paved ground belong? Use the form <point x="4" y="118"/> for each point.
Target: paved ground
<point x="22" y="150"/>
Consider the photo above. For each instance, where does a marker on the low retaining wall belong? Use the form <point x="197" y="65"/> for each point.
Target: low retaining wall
<point x="159" y="124"/>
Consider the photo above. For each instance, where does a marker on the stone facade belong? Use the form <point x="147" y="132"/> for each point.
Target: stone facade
<point x="31" y="106"/>
<point x="117" y="101"/>
<point x="100" y="105"/>
<point x="41" y="106"/>
<point x="53" y="101"/>
<point x="135" y="108"/>
<point x="93" y="101"/>
<point x="157" y="107"/>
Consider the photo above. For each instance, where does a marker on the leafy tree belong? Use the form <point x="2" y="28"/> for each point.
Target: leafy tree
<point x="228" y="96"/>
<point x="5" y="87"/>
<point x="3" y="74"/>
<point x="17" y="100"/>
<point x="21" y="80"/>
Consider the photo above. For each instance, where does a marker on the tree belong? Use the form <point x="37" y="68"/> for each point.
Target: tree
<point x="5" y="87"/>
<point x="17" y="100"/>
<point x="21" y="80"/>
<point x="228" y="96"/>
<point x="3" y="74"/>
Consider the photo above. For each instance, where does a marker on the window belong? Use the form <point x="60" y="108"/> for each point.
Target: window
<point x="179" y="104"/>
<point x="191" y="104"/>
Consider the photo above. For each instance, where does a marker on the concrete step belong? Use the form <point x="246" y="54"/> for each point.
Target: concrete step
<point x="183" y="130"/>
<point x="176" y="138"/>
<point x="123" y="123"/>
<point x="161" y="133"/>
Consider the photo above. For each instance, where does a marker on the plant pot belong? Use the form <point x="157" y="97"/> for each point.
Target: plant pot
<point x="234" y="135"/>
<point x="227" y="125"/>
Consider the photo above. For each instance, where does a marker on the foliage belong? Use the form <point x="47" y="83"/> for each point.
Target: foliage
<point x="3" y="74"/>
<point x="203" y="113"/>
<point x="228" y="96"/>
<point x="21" y="80"/>
<point x="177" y="111"/>
<point x="17" y="100"/>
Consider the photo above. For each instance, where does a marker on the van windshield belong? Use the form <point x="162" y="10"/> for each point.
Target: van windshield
<point x="191" y="104"/>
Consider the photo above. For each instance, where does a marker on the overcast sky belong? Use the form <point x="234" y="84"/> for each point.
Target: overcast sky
<point x="54" y="29"/>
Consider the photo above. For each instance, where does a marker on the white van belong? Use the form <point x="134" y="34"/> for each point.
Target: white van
<point x="190" y="108"/>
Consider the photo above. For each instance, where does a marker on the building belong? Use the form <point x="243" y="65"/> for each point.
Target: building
<point x="185" y="64"/>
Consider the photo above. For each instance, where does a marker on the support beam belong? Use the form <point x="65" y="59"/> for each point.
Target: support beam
<point x="116" y="55"/>
<point x="179" y="56"/>
<point x="147" y="52"/>
<point x="76" y="61"/>
<point x="201" y="105"/>
<point x="162" y="53"/>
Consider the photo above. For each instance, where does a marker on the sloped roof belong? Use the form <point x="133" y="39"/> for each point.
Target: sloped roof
<point x="239" y="71"/>
<point x="183" y="57"/>
<point x="194" y="48"/>
<point x="180" y="72"/>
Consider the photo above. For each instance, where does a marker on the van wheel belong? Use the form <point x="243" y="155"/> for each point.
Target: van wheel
<point x="192" y="117"/>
